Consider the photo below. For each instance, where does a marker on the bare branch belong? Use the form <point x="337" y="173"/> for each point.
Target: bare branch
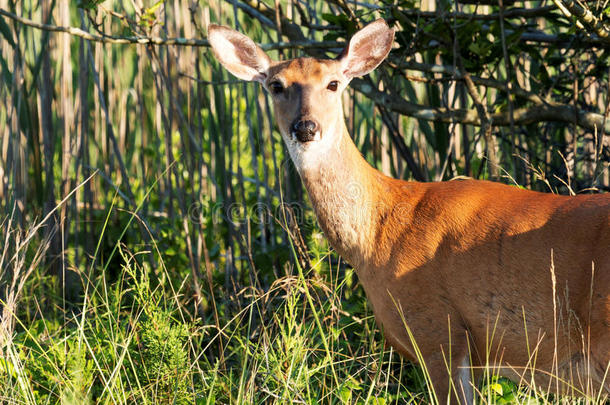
<point x="77" y="32"/>
<point x="329" y="45"/>
<point x="486" y="123"/>
<point x="299" y="41"/>
<point x="455" y="73"/>
<point x="142" y="40"/>
<point x="522" y="116"/>
<point x="585" y="17"/>
<point x="563" y="41"/>
<point x="542" y="111"/>
<point x="253" y="12"/>
<point x="512" y="13"/>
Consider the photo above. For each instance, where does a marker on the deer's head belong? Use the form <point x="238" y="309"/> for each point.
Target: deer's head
<point x="306" y="92"/>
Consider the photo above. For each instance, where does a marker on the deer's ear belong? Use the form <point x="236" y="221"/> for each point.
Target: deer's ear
<point x="367" y="49"/>
<point x="238" y="53"/>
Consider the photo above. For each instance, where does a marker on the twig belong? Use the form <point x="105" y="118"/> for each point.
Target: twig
<point x="543" y="111"/>
<point x="585" y="17"/>
<point x="484" y="119"/>
<point x="253" y="12"/>
<point x="509" y="83"/>
<point x="543" y="38"/>
<point x="454" y="73"/>
<point x="512" y="13"/>
<point x="366" y="5"/>
<point x="485" y="2"/>
<point x="77" y="32"/>
<point x="304" y="45"/>
<point x="342" y="4"/>
<point x="522" y="116"/>
<point x="298" y="42"/>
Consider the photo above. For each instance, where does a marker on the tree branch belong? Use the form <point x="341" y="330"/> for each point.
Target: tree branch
<point x="77" y="32"/>
<point x="522" y="116"/>
<point x="586" y="18"/>
<point x="563" y="41"/>
<point x="142" y="40"/>
<point x="486" y="122"/>
<point x="455" y="74"/>
<point x="511" y="13"/>
<point x="542" y="111"/>
<point x="291" y="30"/>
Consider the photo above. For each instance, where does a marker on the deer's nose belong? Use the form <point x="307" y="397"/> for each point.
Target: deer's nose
<point x="304" y="130"/>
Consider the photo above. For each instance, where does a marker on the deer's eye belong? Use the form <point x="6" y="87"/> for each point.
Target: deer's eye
<point x="332" y="86"/>
<point x="276" y="87"/>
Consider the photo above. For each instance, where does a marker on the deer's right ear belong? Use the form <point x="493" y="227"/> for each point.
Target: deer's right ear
<point x="238" y="53"/>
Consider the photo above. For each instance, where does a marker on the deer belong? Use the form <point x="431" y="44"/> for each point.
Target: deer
<point x="461" y="275"/>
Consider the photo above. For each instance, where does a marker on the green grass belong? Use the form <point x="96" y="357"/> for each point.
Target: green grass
<point x="131" y="342"/>
<point x="308" y="337"/>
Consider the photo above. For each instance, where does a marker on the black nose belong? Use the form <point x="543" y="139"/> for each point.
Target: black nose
<point x="304" y="130"/>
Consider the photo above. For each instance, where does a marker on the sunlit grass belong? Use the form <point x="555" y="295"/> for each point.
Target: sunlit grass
<point x="134" y="339"/>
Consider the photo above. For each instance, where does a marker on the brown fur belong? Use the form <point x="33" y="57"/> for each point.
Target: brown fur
<point x="481" y="273"/>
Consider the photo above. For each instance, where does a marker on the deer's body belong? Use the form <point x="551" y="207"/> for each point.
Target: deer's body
<point x="480" y="273"/>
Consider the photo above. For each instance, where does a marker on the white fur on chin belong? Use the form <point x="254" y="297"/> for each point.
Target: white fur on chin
<point x="308" y="156"/>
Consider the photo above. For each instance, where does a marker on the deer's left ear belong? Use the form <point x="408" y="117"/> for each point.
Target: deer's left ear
<point x="367" y="49"/>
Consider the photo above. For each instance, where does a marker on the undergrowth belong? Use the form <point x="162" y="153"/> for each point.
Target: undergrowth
<point x="137" y="337"/>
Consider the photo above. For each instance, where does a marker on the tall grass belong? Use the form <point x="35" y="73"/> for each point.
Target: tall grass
<point x="135" y="340"/>
<point x="187" y="265"/>
<point x="308" y="337"/>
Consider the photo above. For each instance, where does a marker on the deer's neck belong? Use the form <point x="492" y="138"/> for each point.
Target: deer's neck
<point x="345" y="192"/>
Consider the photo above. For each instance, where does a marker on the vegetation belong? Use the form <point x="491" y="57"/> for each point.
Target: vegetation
<point x="157" y="246"/>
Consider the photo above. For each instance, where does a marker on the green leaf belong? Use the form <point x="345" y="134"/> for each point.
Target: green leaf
<point x="155" y="6"/>
<point x="353" y="384"/>
<point x="497" y="389"/>
<point x="339" y="19"/>
<point x="7" y="367"/>
<point x="149" y="15"/>
<point x="7" y="76"/>
<point x="345" y="394"/>
<point x="6" y="32"/>
<point x="88" y="4"/>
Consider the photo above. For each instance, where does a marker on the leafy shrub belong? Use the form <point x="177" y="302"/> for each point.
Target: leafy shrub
<point x="161" y="361"/>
